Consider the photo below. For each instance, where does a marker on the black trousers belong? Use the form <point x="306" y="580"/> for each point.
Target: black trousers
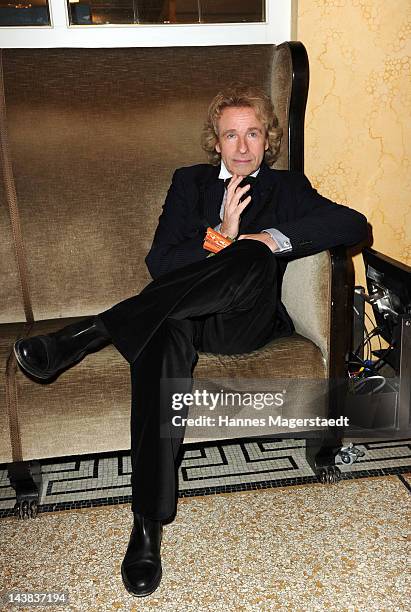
<point x="223" y="304"/>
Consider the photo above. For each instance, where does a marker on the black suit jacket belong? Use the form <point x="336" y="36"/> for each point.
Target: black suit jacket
<point x="281" y="199"/>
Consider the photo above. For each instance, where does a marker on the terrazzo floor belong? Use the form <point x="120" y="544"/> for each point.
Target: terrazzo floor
<point x="311" y="547"/>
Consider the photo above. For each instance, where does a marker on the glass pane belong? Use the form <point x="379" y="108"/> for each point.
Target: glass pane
<point x="86" y="12"/>
<point x="232" y="11"/>
<point x="97" y="12"/>
<point x="169" y="11"/>
<point x="24" y="13"/>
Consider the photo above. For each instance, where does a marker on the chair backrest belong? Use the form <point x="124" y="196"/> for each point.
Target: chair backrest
<point x="95" y="135"/>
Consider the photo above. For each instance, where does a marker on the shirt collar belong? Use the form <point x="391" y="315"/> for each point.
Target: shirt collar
<point x="225" y="174"/>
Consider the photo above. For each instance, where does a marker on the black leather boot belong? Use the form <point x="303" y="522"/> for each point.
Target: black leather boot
<point x="45" y="356"/>
<point x="141" y="568"/>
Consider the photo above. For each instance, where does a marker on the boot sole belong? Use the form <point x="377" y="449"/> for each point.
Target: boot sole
<point x="130" y="590"/>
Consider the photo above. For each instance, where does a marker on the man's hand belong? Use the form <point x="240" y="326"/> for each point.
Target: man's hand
<point x="233" y="207"/>
<point x="263" y="237"/>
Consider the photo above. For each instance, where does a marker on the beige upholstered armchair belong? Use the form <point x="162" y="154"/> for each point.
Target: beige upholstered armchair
<point x="90" y="138"/>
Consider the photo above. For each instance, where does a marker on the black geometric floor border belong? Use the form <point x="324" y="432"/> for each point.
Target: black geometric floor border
<point x="406" y="484"/>
<point x="198" y="451"/>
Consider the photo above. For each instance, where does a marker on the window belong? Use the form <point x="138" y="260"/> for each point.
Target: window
<point x="97" y="12"/>
<point x="24" y="13"/>
<point x="146" y="23"/>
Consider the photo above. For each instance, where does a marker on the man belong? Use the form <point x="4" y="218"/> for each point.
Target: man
<point x="227" y="303"/>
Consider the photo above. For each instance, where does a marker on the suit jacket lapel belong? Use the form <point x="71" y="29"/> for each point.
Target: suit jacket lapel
<point x="211" y="196"/>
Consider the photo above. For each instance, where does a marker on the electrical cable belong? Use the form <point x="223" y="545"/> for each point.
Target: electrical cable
<point x="380" y="362"/>
<point x="361" y="383"/>
<point x="366" y="373"/>
<point x="366" y="342"/>
<point x="376" y="327"/>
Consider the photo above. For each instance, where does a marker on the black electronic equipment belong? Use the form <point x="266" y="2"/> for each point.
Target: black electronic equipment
<point x="380" y="382"/>
<point x="389" y="293"/>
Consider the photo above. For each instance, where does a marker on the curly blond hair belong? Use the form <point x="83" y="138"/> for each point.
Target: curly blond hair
<point x="239" y="95"/>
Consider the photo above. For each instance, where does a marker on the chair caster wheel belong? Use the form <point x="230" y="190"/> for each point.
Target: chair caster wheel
<point x="322" y="475"/>
<point x="329" y="475"/>
<point x="350" y="454"/>
<point x="25" y="509"/>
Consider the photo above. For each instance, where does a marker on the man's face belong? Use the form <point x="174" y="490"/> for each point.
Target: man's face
<point x="242" y="140"/>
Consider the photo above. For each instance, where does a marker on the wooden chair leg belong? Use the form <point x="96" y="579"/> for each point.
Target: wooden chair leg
<point x="25" y="478"/>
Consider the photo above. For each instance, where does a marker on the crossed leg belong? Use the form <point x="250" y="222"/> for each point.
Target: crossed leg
<point x="234" y="315"/>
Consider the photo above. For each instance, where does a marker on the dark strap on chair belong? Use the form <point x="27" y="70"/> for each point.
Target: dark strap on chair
<point x="11" y="197"/>
<point x="12" y="408"/>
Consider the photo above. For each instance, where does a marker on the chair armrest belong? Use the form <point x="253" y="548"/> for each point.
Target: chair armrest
<point x="316" y="294"/>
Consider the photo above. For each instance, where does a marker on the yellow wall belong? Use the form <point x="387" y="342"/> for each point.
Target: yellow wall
<point x="358" y="128"/>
